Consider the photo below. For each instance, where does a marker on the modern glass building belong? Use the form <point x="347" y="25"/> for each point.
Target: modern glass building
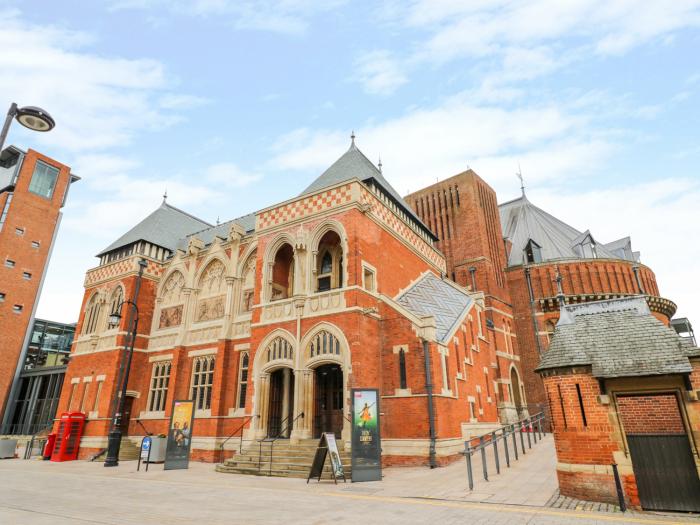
<point x="41" y="378"/>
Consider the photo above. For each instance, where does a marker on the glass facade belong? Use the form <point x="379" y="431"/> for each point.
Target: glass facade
<point x="41" y="378"/>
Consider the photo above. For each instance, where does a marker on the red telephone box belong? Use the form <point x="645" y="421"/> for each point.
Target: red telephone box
<point x="70" y="430"/>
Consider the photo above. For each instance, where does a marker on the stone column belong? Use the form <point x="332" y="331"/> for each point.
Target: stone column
<point x="304" y="387"/>
<point x="286" y="377"/>
<point x="263" y="394"/>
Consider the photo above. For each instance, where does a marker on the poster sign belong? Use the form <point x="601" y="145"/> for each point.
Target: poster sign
<point x="177" y="453"/>
<point x="327" y="446"/>
<point x="366" y="445"/>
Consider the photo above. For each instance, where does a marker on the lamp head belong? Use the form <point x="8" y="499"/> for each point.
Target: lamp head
<point x="35" y="118"/>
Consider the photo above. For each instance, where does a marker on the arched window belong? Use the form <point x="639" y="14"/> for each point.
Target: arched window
<point x="202" y="381"/>
<point x="243" y="379"/>
<point x="158" y="393"/>
<point x="324" y="343"/>
<point x="280" y="348"/>
<point x="402" y="369"/>
<point x="115" y="302"/>
<point x="92" y="314"/>
<point x="283" y="273"/>
<point x="329" y="265"/>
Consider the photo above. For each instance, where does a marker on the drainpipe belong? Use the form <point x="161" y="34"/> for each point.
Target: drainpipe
<point x="431" y="411"/>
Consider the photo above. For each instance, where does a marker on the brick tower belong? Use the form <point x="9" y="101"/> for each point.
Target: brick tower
<point x="33" y="189"/>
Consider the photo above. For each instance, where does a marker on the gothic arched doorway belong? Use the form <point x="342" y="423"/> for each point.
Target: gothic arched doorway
<point x="281" y="403"/>
<point x="328" y="400"/>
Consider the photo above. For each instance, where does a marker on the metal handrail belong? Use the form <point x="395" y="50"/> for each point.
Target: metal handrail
<point x="529" y="425"/>
<point x="30" y="445"/>
<point x="238" y="429"/>
<point x="272" y="440"/>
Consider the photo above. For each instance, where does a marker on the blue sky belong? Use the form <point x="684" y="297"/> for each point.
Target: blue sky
<point x="236" y="105"/>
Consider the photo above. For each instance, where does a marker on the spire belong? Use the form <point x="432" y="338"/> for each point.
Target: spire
<point x="165" y="196"/>
<point x="519" y="174"/>
<point x="379" y="164"/>
<point x="564" y="316"/>
<point x="352" y="139"/>
<point x="217" y="220"/>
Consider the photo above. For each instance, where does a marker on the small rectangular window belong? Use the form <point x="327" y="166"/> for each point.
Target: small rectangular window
<point x="36" y="244"/>
<point x="9" y="263"/>
<point x="43" y="179"/>
<point x="368" y="277"/>
<point x="19" y="231"/>
<point x="26" y="275"/>
<point x="17" y="308"/>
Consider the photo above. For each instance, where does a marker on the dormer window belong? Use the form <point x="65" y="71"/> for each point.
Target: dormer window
<point x="533" y="252"/>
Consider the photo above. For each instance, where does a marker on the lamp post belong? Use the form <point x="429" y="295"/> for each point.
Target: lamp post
<point x="114" y="439"/>
<point x="30" y="117"/>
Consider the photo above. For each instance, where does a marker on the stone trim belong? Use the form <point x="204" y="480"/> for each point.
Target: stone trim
<point x="203" y="351"/>
<point x="162" y="357"/>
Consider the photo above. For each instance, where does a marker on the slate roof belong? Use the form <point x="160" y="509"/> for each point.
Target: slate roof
<point x="164" y="227"/>
<point x="521" y="221"/>
<point x="617" y="338"/>
<point x="431" y="295"/>
<point x="353" y="164"/>
<point x="247" y="222"/>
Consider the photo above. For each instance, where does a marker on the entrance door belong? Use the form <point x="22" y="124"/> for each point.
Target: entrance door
<point x="281" y="403"/>
<point x="662" y="459"/>
<point x="126" y="416"/>
<point x="328" y="413"/>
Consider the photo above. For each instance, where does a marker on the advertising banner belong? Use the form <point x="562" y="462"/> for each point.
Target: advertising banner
<point x="177" y="453"/>
<point x="366" y="445"/>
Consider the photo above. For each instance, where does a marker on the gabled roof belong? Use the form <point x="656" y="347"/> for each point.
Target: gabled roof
<point x="163" y="228"/>
<point x="521" y="221"/>
<point x="207" y="235"/>
<point x="353" y="164"/>
<point x="430" y="295"/>
<point x="617" y="338"/>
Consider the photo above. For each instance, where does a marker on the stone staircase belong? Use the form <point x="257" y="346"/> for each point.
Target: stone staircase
<point x="291" y="460"/>
<point x="128" y="451"/>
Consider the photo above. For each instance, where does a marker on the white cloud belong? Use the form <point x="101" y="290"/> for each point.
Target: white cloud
<point x="98" y="102"/>
<point x="379" y="72"/>
<point x="230" y="175"/>
<point x="278" y="16"/>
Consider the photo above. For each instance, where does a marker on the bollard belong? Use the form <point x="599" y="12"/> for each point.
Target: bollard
<point x="618" y="487"/>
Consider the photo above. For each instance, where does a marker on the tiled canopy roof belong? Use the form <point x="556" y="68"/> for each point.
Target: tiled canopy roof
<point x="164" y="227"/>
<point x="617" y="338"/>
<point x="431" y="295"/>
<point x="522" y="221"/>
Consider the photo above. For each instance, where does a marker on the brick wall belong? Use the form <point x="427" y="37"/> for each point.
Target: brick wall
<point x="650" y="414"/>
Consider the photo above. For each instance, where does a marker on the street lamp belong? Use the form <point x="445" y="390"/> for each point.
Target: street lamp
<point x="30" y="117"/>
<point x="114" y="439"/>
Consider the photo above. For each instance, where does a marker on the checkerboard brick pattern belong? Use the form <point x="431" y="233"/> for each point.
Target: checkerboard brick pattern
<point x="304" y="207"/>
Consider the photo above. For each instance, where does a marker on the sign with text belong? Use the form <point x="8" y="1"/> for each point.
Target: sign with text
<point x="366" y="445"/>
<point x="177" y="453"/>
<point x="327" y="446"/>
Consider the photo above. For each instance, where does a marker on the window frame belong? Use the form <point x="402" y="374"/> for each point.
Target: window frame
<point x="242" y="390"/>
<point x="201" y="392"/>
<point x="48" y="168"/>
<point x="158" y="386"/>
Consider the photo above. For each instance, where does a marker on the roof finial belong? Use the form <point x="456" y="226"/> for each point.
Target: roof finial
<point x="352" y="137"/>
<point x="560" y="291"/>
<point x="519" y="174"/>
<point x="379" y="164"/>
<point x="217" y="220"/>
<point x="165" y="195"/>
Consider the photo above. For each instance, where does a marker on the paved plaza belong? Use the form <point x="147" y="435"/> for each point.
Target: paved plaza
<point x="79" y="492"/>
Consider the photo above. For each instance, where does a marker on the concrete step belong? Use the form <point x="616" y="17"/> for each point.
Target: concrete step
<point x="303" y="474"/>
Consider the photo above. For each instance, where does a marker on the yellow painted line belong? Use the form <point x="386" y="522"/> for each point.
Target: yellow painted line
<point x="597" y="516"/>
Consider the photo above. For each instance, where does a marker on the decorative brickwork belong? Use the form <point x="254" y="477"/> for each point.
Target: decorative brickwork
<point x="304" y="207"/>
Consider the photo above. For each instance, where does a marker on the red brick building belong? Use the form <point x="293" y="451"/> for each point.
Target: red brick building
<point x="279" y="313"/>
<point x="622" y="389"/>
<point x="33" y="189"/>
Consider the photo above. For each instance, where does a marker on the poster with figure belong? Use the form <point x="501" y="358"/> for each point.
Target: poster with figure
<point x="177" y="453"/>
<point x="366" y="445"/>
<point x="336" y="463"/>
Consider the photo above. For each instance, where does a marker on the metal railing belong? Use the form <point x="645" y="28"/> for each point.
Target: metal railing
<point x="530" y="427"/>
<point x="37" y="441"/>
<point x="239" y="429"/>
<point x="271" y="440"/>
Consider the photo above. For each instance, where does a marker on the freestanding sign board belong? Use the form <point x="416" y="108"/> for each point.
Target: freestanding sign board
<point x="366" y="445"/>
<point x="177" y="453"/>
<point x="327" y="446"/>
